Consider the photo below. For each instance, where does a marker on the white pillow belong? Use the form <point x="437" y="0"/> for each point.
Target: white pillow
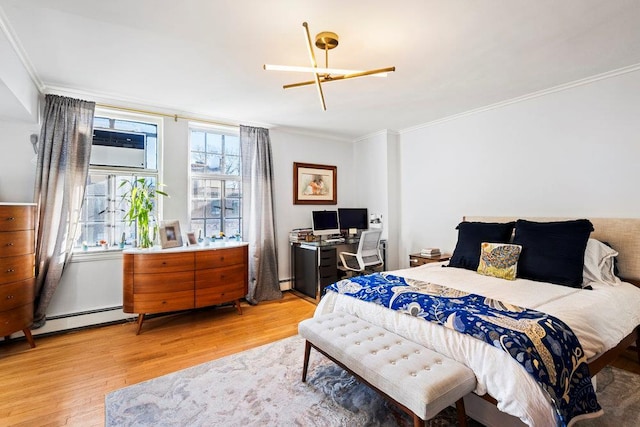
<point x="598" y="264"/>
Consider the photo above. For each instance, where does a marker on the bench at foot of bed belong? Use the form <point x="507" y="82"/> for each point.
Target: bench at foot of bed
<point x="420" y="381"/>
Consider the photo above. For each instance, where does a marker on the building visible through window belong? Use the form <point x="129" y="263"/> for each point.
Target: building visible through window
<point x="216" y="194"/>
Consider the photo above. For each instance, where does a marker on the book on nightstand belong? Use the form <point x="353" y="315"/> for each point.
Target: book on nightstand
<point x="430" y="252"/>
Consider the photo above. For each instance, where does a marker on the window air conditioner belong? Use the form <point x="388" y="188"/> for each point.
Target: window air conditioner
<point x="114" y="148"/>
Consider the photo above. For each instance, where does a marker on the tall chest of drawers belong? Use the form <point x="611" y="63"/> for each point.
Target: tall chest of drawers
<point x="17" y="268"/>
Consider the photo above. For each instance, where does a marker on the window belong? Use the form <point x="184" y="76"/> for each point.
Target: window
<point x="102" y="216"/>
<point x="215" y="181"/>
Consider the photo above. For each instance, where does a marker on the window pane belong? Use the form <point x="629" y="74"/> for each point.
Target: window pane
<point x="232" y="188"/>
<point x="231" y="145"/>
<point x="214" y="163"/>
<point x="132" y="126"/>
<point x="232" y="165"/>
<point x="232" y="227"/>
<point x="197" y="141"/>
<point x="213" y="228"/>
<point x="198" y="162"/>
<point x="213" y="209"/>
<point x="100" y="122"/>
<point x="232" y="208"/>
<point x="152" y="152"/>
<point x="196" y="227"/>
<point x="198" y="208"/>
<point x="214" y="143"/>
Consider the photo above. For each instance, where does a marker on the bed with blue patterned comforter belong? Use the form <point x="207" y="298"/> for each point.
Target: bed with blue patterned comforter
<point x="528" y="342"/>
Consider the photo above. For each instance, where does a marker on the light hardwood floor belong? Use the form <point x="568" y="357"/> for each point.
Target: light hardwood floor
<point x="63" y="381"/>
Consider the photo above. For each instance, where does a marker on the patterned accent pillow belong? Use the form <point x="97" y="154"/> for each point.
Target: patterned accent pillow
<point x="499" y="260"/>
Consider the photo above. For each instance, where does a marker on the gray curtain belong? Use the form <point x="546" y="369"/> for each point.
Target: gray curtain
<point x="61" y="177"/>
<point x="258" y="223"/>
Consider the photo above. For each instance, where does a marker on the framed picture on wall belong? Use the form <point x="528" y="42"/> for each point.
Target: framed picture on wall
<point x="170" y="236"/>
<point x="314" y="184"/>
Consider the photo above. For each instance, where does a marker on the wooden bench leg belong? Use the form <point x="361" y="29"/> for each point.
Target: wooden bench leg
<point x="418" y="422"/>
<point x="305" y="364"/>
<point x="238" y="307"/>
<point x="462" y="414"/>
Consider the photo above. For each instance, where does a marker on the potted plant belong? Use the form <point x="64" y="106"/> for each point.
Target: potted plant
<point x="141" y="194"/>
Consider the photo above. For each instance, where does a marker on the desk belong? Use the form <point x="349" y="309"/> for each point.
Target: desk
<point x="314" y="265"/>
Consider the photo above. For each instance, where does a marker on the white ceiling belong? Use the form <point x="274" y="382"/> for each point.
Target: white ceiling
<point x="205" y="57"/>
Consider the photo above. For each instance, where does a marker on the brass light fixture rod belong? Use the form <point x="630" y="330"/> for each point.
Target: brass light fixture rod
<point x="314" y="64"/>
<point x="325" y="79"/>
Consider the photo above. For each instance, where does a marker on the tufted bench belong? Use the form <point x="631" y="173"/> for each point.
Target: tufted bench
<point x="420" y="381"/>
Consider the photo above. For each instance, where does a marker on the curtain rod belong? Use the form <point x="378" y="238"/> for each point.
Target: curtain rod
<point x="175" y="117"/>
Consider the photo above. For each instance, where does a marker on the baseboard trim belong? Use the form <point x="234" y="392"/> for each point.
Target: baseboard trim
<point x="82" y="320"/>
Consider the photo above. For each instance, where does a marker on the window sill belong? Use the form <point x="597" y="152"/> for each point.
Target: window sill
<point x="97" y="254"/>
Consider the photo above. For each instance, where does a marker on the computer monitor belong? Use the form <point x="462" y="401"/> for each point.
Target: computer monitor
<point x="353" y="218"/>
<point x="325" y="223"/>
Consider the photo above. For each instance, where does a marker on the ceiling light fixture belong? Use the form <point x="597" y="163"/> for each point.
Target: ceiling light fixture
<point x="326" y="41"/>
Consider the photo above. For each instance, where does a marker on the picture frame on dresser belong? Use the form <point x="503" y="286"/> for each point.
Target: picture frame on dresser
<point x="170" y="235"/>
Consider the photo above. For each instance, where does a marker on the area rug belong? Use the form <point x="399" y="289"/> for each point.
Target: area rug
<point x="262" y="386"/>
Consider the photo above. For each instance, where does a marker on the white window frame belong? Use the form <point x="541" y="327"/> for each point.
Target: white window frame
<point x="226" y="130"/>
<point x="114" y="251"/>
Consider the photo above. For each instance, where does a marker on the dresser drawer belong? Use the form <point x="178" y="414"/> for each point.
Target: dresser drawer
<point x="225" y="292"/>
<point x="16" y="319"/>
<point x="215" y="277"/>
<point x="17" y="217"/>
<point x="15" y="268"/>
<point x="164" y="283"/>
<point x="162" y="262"/>
<point x="162" y="302"/>
<point x="220" y="257"/>
<point x="16" y="243"/>
<point x="16" y="294"/>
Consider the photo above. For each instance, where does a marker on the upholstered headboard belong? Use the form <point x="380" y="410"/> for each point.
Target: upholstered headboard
<point x="623" y="234"/>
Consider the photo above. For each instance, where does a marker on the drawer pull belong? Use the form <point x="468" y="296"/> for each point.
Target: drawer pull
<point x="11" y="270"/>
<point x="11" y="218"/>
<point x="10" y="244"/>
<point x="413" y="260"/>
<point x="9" y="296"/>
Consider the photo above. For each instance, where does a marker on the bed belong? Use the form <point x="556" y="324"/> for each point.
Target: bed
<point x="605" y="319"/>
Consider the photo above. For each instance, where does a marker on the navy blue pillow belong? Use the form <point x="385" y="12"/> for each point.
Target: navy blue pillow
<point x="470" y="237"/>
<point x="552" y="251"/>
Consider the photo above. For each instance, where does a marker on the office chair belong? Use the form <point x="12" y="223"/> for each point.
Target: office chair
<point x="367" y="257"/>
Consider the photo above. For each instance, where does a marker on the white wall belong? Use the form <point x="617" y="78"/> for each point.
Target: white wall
<point x="569" y="153"/>
<point x="287" y="148"/>
<point x="376" y="165"/>
<point x="17" y="163"/>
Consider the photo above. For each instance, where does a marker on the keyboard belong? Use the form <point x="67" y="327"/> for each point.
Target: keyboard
<point x="336" y="240"/>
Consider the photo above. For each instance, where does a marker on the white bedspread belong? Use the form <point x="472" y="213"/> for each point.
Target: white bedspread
<point x="600" y="318"/>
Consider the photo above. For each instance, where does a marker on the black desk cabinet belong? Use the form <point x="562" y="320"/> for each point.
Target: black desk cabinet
<point x="315" y="268"/>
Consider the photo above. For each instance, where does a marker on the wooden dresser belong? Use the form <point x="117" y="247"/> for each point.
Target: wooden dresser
<point x="17" y="269"/>
<point x="158" y="281"/>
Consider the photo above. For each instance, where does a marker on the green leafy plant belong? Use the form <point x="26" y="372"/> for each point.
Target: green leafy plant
<point x="141" y="194"/>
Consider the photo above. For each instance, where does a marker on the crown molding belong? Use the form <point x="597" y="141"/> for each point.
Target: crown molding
<point x="544" y="92"/>
<point x="19" y="50"/>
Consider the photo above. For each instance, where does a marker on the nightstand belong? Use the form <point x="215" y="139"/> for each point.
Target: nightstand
<point x="418" y="259"/>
